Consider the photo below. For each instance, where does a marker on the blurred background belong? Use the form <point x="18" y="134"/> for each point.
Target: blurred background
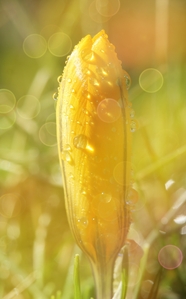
<point x="36" y="246"/>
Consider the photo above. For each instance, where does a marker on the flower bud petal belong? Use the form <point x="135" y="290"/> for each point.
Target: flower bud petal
<point x="94" y="138"/>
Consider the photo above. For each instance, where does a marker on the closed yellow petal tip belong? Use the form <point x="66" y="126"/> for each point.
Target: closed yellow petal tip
<point x="100" y="33"/>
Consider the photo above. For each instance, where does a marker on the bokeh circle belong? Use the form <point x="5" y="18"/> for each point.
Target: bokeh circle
<point x="109" y="110"/>
<point x="151" y="80"/>
<point x="35" y="46"/>
<point x="7" y="100"/>
<point x="59" y="44"/>
<point x="170" y="257"/>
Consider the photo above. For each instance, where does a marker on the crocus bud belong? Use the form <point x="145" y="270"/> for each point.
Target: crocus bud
<point x="94" y="142"/>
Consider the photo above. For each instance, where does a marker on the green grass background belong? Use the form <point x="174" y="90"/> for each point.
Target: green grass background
<point x="36" y="246"/>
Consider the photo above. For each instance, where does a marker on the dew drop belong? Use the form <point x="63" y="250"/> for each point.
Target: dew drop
<point x="104" y="72"/>
<point x="86" y="94"/>
<point x="109" y="83"/>
<point x="132" y="197"/>
<point x="133" y="126"/>
<point x="110" y="64"/>
<point x="86" y="111"/>
<point x="83" y="221"/>
<point x="71" y="176"/>
<point x="104" y="197"/>
<point x="129" y="104"/>
<point x="132" y="113"/>
<point x="55" y="96"/>
<point x="69" y="80"/>
<point x="80" y="141"/>
<point x="102" y="51"/>
<point x="84" y="192"/>
<point x="59" y="79"/>
<point x="71" y="107"/>
<point x="127" y="81"/>
<point x="73" y="90"/>
<point x="66" y="156"/>
<point x="88" y="56"/>
<point x="87" y="71"/>
<point x="68" y="147"/>
<point x="94" y="82"/>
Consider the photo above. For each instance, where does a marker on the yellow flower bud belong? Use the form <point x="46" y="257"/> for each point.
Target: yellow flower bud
<point x="94" y="142"/>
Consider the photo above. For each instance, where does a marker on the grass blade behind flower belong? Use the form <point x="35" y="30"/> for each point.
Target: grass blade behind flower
<point x="124" y="273"/>
<point x="154" y="290"/>
<point x="77" y="291"/>
<point x="143" y="268"/>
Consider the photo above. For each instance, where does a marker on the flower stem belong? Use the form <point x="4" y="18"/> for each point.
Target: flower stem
<point x="103" y="275"/>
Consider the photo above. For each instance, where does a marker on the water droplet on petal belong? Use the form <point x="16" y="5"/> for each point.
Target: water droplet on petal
<point x="102" y="72"/>
<point x="59" y="79"/>
<point x="133" y="126"/>
<point x="132" y="197"/>
<point x="82" y="142"/>
<point x="68" y="147"/>
<point x="110" y="64"/>
<point x="127" y="81"/>
<point x="87" y="71"/>
<point x="94" y="81"/>
<point x="88" y="56"/>
<point x="71" y="176"/>
<point x="83" y="221"/>
<point x="69" y="80"/>
<point x="129" y="104"/>
<point x="66" y="156"/>
<point x="104" y="197"/>
<point x="55" y="96"/>
<point x="132" y="113"/>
